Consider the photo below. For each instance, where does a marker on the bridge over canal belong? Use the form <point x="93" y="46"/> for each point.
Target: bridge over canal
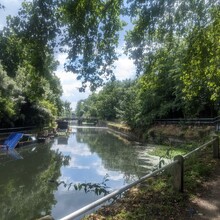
<point x="82" y="120"/>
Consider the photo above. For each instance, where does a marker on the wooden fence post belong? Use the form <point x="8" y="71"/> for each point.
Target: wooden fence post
<point x="178" y="173"/>
<point x="216" y="147"/>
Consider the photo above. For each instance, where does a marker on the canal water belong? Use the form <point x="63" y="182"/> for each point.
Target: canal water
<point x="54" y="178"/>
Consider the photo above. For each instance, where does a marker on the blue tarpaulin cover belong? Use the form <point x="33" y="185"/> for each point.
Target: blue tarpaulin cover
<point x="12" y="140"/>
<point x="13" y="153"/>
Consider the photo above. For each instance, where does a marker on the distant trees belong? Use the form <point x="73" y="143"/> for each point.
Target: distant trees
<point x="116" y="101"/>
<point x="67" y="110"/>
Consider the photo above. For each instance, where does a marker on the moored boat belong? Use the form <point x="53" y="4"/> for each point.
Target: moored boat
<point x="17" y="139"/>
<point x="26" y="140"/>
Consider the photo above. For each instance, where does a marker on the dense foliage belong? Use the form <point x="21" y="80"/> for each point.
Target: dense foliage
<point x="175" y="46"/>
<point x="173" y="43"/>
<point x="91" y="34"/>
<point x="29" y="91"/>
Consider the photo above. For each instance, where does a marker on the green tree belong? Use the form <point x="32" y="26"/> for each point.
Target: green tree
<point x="10" y="51"/>
<point x="28" y="44"/>
<point x="91" y="34"/>
<point x="67" y="110"/>
<point x="174" y="43"/>
<point x="128" y="107"/>
<point x="79" y="108"/>
<point x="108" y="101"/>
<point x="201" y="73"/>
<point x="10" y="99"/>
<point x="90" y="107"/>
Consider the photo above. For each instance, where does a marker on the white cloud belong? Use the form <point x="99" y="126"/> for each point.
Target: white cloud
<point x="125" y="68"/>
<point x="71" y="87"/>
<point x="77" y="150"/>
<point x="113" y="175"/>
<point x="69" y="83"/>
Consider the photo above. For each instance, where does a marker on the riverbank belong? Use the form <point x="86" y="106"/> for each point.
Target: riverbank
<point x="155" y="198"/>
<point x="166" y="134"/>
<point x="176" y="133"/>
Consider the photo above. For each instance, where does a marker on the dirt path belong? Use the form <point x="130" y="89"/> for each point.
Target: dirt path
<point x="206" y="205"/>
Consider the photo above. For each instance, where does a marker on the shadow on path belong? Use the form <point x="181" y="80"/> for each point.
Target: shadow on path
<point x="206" y="205"/>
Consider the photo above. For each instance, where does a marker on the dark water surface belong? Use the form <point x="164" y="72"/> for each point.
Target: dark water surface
<point x="42" y="183"/>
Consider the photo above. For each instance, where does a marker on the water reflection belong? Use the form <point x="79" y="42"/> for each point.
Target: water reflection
<point x="24" y="189"/>
<point x="116" y="153"/>
<point x="95" y="153"/>
<point x="28" y="188"/>
<point x="63" y="140"/>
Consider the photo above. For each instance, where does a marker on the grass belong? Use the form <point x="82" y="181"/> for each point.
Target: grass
<point x="171" y="151"/>
<point x="119" y="126"/>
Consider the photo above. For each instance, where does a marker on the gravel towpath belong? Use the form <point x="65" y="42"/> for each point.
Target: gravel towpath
<point x="206" y="204"/>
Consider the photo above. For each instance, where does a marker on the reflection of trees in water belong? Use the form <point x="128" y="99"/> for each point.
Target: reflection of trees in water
<point x="62" y="140"/>
<point x="24" y="189"/>
<point x="115" y="154"/>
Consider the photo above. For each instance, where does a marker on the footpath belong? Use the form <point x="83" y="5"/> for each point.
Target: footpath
<point x="206" y="204"/>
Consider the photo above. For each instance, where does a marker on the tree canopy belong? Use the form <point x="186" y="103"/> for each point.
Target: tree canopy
<point x="91" y="35"/>
<point x="174" y="45"/>
<point x="27" y="60"/>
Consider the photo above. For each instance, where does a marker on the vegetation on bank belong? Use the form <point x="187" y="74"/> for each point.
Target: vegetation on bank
<point x="155" y="198"/>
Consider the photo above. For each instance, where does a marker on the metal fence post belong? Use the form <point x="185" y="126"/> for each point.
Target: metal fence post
<point x="216" y="147"/>
<point x="178" y="173"/>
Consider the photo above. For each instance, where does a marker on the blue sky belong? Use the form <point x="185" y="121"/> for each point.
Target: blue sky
<point x="124" y="67"/>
